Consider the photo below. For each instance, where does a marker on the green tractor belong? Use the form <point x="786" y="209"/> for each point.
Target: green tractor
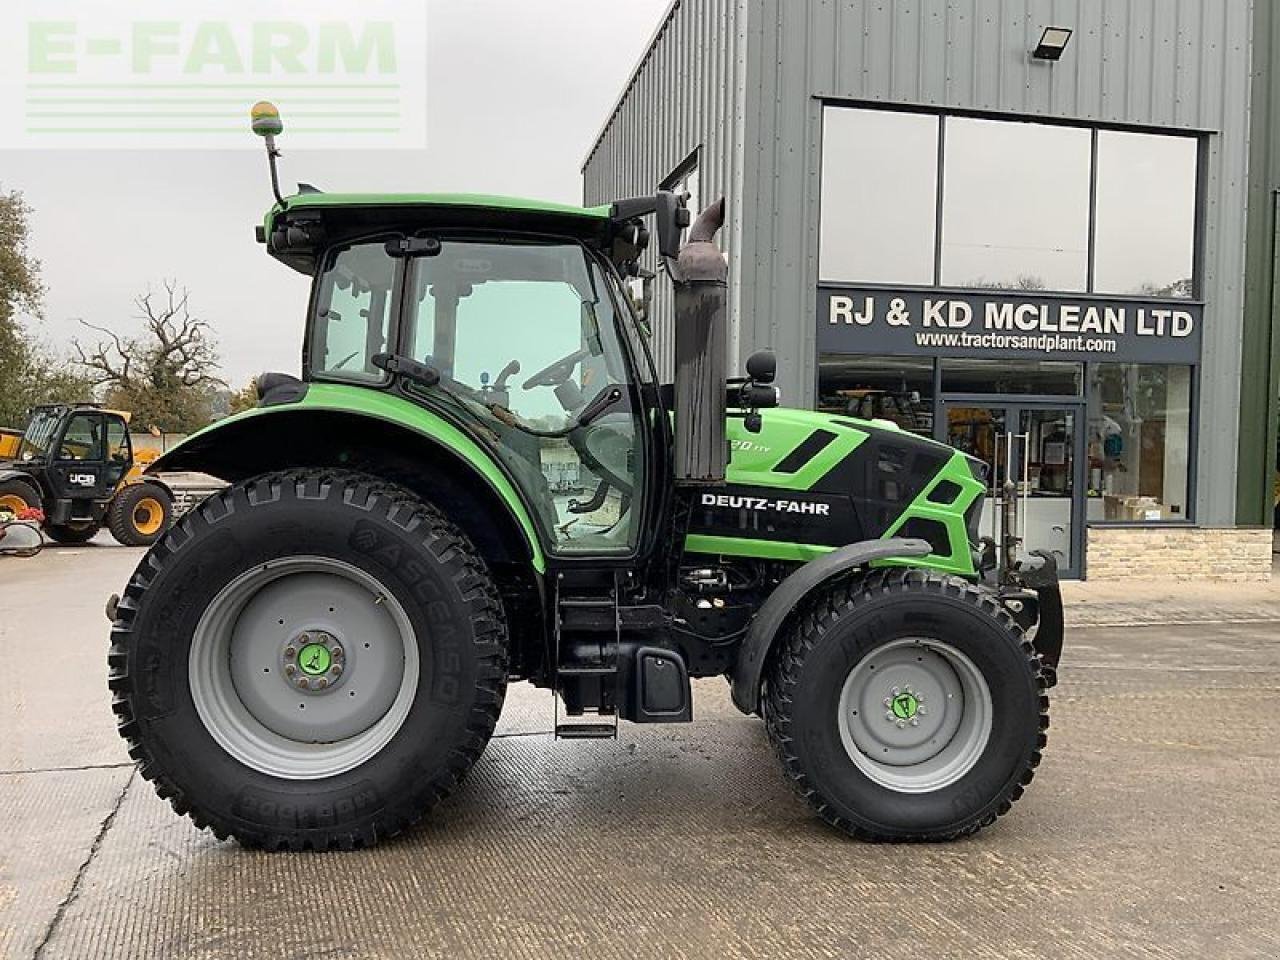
<point x="315" y="656"/>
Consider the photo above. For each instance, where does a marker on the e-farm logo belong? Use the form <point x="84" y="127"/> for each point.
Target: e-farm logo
<point x="157" y="74"/>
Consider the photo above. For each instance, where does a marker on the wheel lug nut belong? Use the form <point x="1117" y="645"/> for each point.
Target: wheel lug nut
<point x="888" y="714"/>
<point x="290" y="670"/>
<point x="337" y="669"/>
<point x="901" y="725"/>
<point x="290" y="652"/>
<point x="915" y="722"/>
<point x="322" y="683"/>
<point x="895" y="691"/>
<point x="923" y="712"/>
<point x="888" y="701"/>
<point x="302" y="682"/>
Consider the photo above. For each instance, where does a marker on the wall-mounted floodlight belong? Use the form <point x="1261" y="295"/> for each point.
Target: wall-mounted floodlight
<point x="1053" y="41"/>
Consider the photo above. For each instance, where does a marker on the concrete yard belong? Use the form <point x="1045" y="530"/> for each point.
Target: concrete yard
<point x="1151" y="830"/>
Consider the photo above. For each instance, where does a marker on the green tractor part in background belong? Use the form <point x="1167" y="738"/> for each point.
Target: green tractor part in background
<point x="75" y="463"/>
<point x="479" y="479"/>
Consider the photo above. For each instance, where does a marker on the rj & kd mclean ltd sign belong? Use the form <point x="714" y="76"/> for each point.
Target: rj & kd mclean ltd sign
<point x="995" y="324"/>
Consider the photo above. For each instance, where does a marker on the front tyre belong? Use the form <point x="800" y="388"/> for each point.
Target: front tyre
<point x="72" y="533"/>
<point x="139" y="513"/>
<point x="907" y="705"/>
<point x="308" y="660"/>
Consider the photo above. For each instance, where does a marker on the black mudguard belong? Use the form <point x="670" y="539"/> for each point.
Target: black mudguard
<point x="749" y="669"/>
<point x="1043" y="579"/>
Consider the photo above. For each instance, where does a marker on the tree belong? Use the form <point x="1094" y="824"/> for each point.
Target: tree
<point x="246" y="398"/>
<point x="29" y="372"/>
<point x="165" y="375"/>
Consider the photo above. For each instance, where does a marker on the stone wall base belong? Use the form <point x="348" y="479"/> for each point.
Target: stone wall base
<point x="1202" y="553"/>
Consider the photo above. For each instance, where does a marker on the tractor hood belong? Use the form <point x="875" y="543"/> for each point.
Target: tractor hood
<point x="811" y="482"/>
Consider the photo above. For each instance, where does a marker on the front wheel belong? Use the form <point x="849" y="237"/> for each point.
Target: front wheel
<point x="72" y="533"/>
<point x="309" y="660"/>
<point x="139" y="514"/>
<point x="907" y="705"/>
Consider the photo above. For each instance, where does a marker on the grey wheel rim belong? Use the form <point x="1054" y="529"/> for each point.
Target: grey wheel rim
<point x="303" y="668"/>
<point x="915" y="715"/>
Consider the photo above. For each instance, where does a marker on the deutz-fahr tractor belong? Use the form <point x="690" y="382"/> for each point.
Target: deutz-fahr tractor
<point x="75" y="463"/>
<point x="479" y="479"/>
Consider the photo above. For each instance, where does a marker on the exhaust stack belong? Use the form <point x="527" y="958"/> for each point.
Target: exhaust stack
<point x="701" y="307"/>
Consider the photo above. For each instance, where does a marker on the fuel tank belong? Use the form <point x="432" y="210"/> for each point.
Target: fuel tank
<point x="810" y="482"/>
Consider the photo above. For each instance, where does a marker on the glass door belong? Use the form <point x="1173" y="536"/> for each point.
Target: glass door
<point x="1037" y="447"/>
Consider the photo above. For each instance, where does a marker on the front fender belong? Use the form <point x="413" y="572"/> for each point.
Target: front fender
<point x="321" y="428"/>
<point x="754" y="654"/>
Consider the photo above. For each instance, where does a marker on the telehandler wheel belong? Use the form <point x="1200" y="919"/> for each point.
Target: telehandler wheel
<point x="139" y="513"/>
<point x="907" y="705"/>
<point x="310" y="659"/>
<point x="71" y="533"/>
<point x="17" y="495"/>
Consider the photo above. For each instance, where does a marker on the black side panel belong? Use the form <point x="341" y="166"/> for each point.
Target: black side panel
<point x="808" y="448"/>
<point x="884" y="475"/>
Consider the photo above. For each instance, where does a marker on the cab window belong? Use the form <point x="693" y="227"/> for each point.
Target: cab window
<point x="83" y="439"/>
<point x="119" y="449"/>
<point x="353" y="313"/>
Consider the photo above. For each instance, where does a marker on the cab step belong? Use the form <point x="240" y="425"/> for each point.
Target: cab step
<point x="586" y="731"/>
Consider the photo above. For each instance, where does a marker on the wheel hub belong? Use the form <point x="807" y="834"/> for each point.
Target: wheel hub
<point x="914" y="714"/>
<point x="303" y="667"/>
<point x="313" y="662"/>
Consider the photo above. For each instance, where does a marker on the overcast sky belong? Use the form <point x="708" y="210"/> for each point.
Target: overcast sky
<point x="517" y="89"/>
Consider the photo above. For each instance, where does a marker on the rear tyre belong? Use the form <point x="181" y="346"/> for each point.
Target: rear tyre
<point x="139" y="514"/>
<point x="308" y="660"/>
<point x="72" y="533"/>
<point x="16" y="496"/>
<point x="907" y="705"/>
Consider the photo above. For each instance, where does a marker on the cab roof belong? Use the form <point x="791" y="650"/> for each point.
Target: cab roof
<point x="339" y="215"/>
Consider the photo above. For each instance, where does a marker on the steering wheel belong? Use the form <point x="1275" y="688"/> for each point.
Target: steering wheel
<point x="558" y="372"/>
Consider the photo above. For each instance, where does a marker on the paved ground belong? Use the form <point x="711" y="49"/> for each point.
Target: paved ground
<point x="1153" y="828"/>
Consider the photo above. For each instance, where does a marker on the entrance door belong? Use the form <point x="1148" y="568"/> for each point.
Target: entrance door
<point x="1038" y="447"/>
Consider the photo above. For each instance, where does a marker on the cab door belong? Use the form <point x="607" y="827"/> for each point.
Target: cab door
<point x="79" y="469"/>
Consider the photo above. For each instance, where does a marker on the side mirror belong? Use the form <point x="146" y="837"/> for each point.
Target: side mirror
<point x="762" y="366"/>
<point x="672" y="217"/>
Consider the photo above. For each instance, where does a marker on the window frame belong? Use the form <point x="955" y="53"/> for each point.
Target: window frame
<point x="1200" y="136"/>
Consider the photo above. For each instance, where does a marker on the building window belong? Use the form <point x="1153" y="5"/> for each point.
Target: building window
<point x="1015" y="206"/>
<point x="879" y="196"/>
<point x="1139" y="442"/>
<point x="1056" y="378"/>
<point x="1146" y="214"/>
<point x="899" y="389"/>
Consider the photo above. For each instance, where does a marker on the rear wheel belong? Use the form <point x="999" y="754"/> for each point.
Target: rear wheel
<point x="906" y="705"/>
<point x="139" y="513"/>
<point x="309" y="660"/>
<point x="16" y="496"/>
<point x="72" y="533"/>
